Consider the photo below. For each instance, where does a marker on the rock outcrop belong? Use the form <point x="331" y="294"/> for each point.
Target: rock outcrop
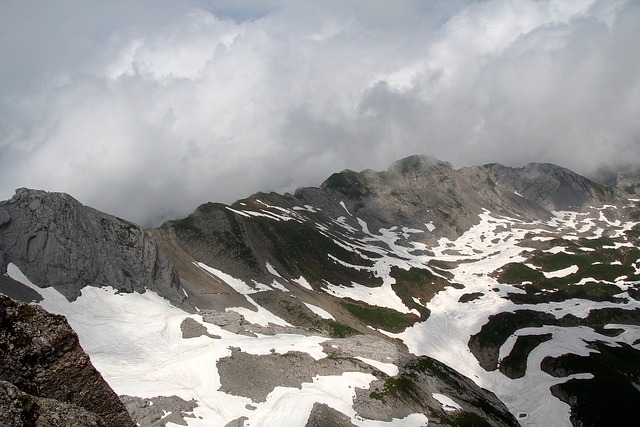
<point x="56" y="241"/>
<point x="46" y="379"/>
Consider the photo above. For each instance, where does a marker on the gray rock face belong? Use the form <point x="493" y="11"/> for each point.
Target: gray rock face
<point x="23" y="409"/>
<point x="323" y="415"/>
<point x="159" y="411"/>
<point x="46" y="379"/>
<point x="56" y="241"/>
<point x="550" y="186"/>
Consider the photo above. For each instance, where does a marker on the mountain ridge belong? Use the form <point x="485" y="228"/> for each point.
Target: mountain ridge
<point x="488" y="269"/>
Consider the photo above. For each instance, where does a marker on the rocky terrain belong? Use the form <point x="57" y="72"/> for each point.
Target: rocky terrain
<point x="45" y="377"/>
<point x="486" y="295"/>
<point x="61" y="243"/>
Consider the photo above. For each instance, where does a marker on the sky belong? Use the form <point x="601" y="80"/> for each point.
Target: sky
<point x="147" y="109"/>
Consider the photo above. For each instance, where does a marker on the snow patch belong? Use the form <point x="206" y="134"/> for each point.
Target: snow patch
<point x="561" y="273"/>
<point x="320" y="311"/>
<point x="345" y="207"/>
<point x="388" y="368"/>
<point x="448" y="404"/>
<point x="303" y="282"/>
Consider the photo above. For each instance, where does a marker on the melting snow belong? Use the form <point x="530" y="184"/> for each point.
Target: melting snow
<point x="388" y="368"/>
<point x="561" y="273"/>
<point x="303" y="282"/>
<point x="345" y="208"/>
<point x="448" y="404"/>
<point x="136" y="343"/>
<point x="320" y="311"/>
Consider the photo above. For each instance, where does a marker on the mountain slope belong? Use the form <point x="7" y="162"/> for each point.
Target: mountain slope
<point x="363" y="300"/>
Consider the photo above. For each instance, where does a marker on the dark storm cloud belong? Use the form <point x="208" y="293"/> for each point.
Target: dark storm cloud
<point x="146" y="109"/>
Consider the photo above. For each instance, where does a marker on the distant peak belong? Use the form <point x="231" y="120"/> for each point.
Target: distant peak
<point x="417" y="163"/>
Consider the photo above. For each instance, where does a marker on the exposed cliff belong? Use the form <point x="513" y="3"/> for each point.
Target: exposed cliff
<point x="46" y="379"/>
<point x="56" y="241"/>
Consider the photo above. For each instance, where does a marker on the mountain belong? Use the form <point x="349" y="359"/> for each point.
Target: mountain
<point x="486" y="295"/>
<point x="59" y="242"/>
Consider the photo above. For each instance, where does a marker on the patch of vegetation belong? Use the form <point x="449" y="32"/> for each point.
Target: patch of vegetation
<point x="25" y="312"/>
<point x="631" y="189"/>
<point x="634" y="292"/>
<point x="597" y="265"/>
<point x="614" y="369"/>
<point x="427" y="365"/>
<point x="466" y="419"/>
<point x="419" y="367"/>
<point x="416" y="283"/>
<point x="340" y="330"/>
<point x="485" y="345"/>
<point x="401" y="385"/>
<point x="187" y="225"/>
<point x="593" y="291"/>
<point x="29" y="410"/>
<point x="302" y="250"/>
<point x="515" y="364"/>
<point x="515" y="273"/>
<point x="472" y="296"/>
<point x="380" y="317"/>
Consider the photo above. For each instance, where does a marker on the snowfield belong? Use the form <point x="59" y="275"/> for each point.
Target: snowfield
<point x="135" y="340"/>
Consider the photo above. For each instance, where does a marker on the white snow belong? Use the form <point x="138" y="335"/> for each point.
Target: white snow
<point x="135" y="341"/>
<point x="303" y="282"/>
<point x="239" y="212"/>
<point x="345" y="207"/>
<point x="277" y="285"/>
<point x="448" y="404"/>
<point x="260" y="316"/>
<point x="381" y="296"/>
<point x="271" y="269"/>
<point x="561" y="273"/>
<point x="388" y="368"/>
<point x="239" y="285"/>
<point x="320" y="311"/>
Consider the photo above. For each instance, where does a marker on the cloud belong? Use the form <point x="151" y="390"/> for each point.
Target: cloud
<point x="148" y="113"/>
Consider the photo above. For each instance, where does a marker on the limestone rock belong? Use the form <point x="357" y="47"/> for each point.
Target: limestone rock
<point x="56" y="241"/>
<point x="48" y="380"/>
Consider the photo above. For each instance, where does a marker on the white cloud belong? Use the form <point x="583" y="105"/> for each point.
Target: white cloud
<point x="177" y="103"/>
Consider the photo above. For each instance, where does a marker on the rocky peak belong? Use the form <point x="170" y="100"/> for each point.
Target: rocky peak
<point x="56" y="241"/>
<point x="552" y="187"/>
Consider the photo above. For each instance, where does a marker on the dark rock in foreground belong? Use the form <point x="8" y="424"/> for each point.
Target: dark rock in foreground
<point x="46" y="379"/>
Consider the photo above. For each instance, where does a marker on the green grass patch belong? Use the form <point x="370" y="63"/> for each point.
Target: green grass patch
<point x="340" y="330"/>
<point x="380" y="317"/>
<point x="515" y="273"/>
<point x="396" y="386"/>
<point x="597" y="265"/>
